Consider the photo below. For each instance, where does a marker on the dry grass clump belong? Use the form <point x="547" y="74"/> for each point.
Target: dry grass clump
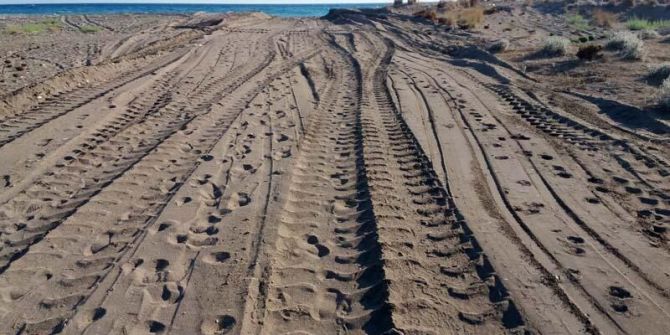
<point x="468" y="18"/>
<point x="648" y="34"/>
<point x="555" y="46"/>
<point x="627" y="44"/>
<point x="429" y="14"/>
<point x="456" y="16"/>
<point x="603" y="18"/>
<point x="499" y="46"/>
<point x="659" y="74"/>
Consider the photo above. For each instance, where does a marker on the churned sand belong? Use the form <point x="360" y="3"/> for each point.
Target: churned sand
<point x="355" y="174"/>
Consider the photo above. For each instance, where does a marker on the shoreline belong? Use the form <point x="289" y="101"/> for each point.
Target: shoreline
<point x="290" y="10"/>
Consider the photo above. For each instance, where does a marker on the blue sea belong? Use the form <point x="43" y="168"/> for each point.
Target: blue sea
<point x="276" y="10"/>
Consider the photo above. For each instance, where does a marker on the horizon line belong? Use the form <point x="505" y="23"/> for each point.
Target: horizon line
<point x="186" y="2"/>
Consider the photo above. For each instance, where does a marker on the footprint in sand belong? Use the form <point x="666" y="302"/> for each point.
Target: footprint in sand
<point x="619" y="296"/>
<point x="155" y="327"/>
<point x="44" y="142"/>
<point x="209" y="194"/>
<point x="217" y="257"/>
<point x="182" y="201"/>
<point x="172" y="292"/>
<point x="321" y="250"/>
<point x="202" y="180"/>
<point x="281" y="137"/>
<point x="238" y="199"/>
<point x="218" y="325"/>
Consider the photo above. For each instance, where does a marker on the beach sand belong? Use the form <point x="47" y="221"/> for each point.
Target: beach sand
<point x="357" y="174"/>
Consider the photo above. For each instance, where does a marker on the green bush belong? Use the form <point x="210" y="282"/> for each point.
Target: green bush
<point x="578" y="22"/>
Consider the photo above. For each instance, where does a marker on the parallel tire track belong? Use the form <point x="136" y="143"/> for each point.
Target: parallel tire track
<point x="439" y="245"/>
<point x="150" y="197"/>
<point x="80" y="176"/>
<point x="13" y="127"/>
<point x="332" y="261"/>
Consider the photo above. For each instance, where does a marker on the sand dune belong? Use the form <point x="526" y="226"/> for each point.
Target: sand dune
<point x="257" y="175"/>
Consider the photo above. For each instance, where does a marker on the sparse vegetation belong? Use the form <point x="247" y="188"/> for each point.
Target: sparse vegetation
<point x="627" y="44"/>
<point x="590" y="52"/>
<point x="648" y="34"/>
<point x="468" y="18"/>
<point x="635" y="23"/>
<point x="603" y="18"/>
<point x="555" y="46"/>
<point x="499" y="46"/>
<point x="464" y="18"/>
<point x="577" y="21"/>
<point x="659" y="74"/>
<point x="34" y="27"/>
<point x="429" y="14"/>
<point x="89" y="29"/>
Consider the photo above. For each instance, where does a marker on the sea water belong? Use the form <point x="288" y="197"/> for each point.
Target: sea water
<point x="276" y="10"/>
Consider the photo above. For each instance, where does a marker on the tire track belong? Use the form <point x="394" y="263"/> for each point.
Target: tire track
<point x="439" y="250"/>
<point x="594" y="297"/>
<point x="13" y="127"/>
<point x="150" y="195"/>
<point x="198" y="238"/>
<point x="92" y="22"/>
<point x="80" y="176"/>
<point x="344" y="290"/>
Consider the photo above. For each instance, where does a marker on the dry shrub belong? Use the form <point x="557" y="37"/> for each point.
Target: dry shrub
<point x="603" y="18"/>
<point x="432" y="15"/>
<point x="555" y="46"/>
<point x="627" y="44"/>
<point x="659" y="74"/>
<point x="444" y="20"/>
<point x="429" y="14"/>
<point x="648" y="34"/>
<point x="469" y="18"/>
<point x="589" y="52"/>
<point x="468" y="3"/>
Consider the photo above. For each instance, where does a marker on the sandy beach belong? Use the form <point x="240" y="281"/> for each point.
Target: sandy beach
<point x="369" y="172"/>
